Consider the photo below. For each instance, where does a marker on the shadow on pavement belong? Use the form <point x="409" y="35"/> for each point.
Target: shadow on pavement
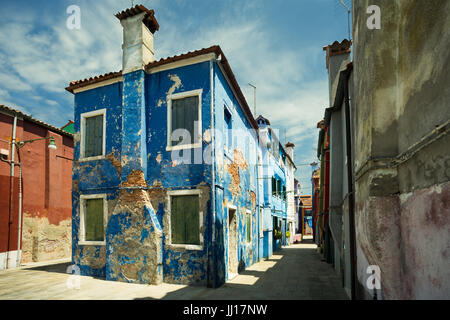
<point x="293" y="273"/>
<point x="57" y="268"/>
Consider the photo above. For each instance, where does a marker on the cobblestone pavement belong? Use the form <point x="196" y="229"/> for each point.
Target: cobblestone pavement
<point x="294" y="272"/>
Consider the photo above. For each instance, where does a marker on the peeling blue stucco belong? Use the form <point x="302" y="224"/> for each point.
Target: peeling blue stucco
<point x="137" y="173"/>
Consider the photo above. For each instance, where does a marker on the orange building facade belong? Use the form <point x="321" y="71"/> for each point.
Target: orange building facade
<point x="36" y="200"/>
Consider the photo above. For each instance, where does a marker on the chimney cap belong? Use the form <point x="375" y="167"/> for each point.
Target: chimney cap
<point x="289" y="145"/>
<point x="149" y="18"/>
<point x="263" y="120"/>
<point x="321" y="124"/>
<point x="337" y="48"/>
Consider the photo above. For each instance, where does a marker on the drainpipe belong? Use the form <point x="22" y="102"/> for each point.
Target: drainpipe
<point x="19" y="234"/>
<point x="258" y="208"/>
<point x="350" y="184"/>
<point x="11" y="183"/>
<point x="20" y="206"/>
<point x="213" y="163"/>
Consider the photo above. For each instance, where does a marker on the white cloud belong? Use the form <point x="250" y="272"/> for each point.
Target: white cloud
<point x="51" y="102"/>
<point x="51" y="59"/>
<point x="47" y="61"/>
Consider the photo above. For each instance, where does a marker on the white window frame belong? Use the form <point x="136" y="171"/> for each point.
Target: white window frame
<point x="249" y="212"/>
<point x="177" y="96"/>
<point x="82" y="234"/>
<point x="229" y="147"/>
<point x="83" y="132"/>
<point x="172" y="193"/>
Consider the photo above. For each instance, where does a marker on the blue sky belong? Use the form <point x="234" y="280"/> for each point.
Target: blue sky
<point x="275" y="45"/>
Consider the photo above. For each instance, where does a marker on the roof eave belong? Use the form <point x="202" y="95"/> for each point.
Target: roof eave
<point x="13" y="112"/>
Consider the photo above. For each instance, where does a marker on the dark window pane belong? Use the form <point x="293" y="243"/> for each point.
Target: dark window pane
<point x="93" y="138"/>
<point x="228" y="137"/>
<point x="93" y="224"/>
<point x="274" y="186"/>
<point x="185" y="220"/>
<point x="184" y="116"/>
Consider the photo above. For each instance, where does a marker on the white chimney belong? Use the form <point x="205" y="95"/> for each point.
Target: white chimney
<point x="139" y="25"/>
<point x="338" y="56"/>
<point x="289" y="147"/>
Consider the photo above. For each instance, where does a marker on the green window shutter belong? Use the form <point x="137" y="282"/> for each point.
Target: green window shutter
<point x="93" y="136"/>
<point x="184" y="115"/>
<point x="177" y="221"/>
<point x="185" y="220"/>
<point x="192" y="220"/>
<point x="93" y="223"/>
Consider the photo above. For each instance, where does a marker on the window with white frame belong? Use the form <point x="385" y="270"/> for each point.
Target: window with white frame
<point x="186" y="219"/>
<point x="93" y="134"/>
<point x="184" y="120"/>
<point x="93" y="216"/>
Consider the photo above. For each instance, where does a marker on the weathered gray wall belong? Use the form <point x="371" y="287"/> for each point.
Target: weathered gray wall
<point x="402" y="165"/>
<point x="338" y="209"/>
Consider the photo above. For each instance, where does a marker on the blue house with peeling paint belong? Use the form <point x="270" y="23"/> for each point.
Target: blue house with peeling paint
<point x="168" y="175"/>
<point x="275" y="192"/>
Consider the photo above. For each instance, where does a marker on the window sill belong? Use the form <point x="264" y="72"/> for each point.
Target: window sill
<point x="184" y="146"/>
<point x="92" y="158"/>
<point x="193" y="247"/>
<point x="92" y="243"/>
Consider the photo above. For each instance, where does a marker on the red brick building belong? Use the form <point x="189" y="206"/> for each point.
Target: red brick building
<point x="306" y="206"/>
<point x="42" y="178"/>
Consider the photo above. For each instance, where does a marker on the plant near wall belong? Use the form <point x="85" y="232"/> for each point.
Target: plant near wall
<point x="278" y="235"/>
<point x="288" y="234"/>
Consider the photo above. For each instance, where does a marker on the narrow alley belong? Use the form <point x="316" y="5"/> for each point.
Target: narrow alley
<point x="225" y="150"/>
<point x="294" y="272"/>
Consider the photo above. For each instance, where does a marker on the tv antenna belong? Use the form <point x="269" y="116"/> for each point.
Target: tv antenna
<point x="348" y="17"/>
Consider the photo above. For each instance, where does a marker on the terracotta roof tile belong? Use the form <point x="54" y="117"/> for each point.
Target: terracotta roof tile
<point x="31" y="119"/>
<point x="190" y="54"/>
<point x="306" y="201"/>
<point x="85" y="82"/>
<point x="260" y="117"/>
<point x="289" y="144"/>
<point x="149" y="18"/>
<point x="213" y="49"/>
<point x="337" y="48"/>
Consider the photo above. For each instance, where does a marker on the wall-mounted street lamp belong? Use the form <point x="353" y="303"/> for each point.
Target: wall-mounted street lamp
<point x="51" y="145"/>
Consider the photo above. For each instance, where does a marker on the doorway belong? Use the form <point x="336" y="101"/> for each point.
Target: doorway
<point x="232" y="243"/>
